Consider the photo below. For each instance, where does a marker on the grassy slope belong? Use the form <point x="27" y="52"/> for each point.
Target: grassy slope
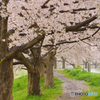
<point x="92" y="80"/>
<point x="20" y="90"/>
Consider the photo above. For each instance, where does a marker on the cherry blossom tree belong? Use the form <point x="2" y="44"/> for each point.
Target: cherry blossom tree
<point x="6" y="72"/>
<point x="31" y="21"/>
<point x="48" y="25"/>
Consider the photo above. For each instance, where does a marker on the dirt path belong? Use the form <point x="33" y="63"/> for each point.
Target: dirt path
<point x="69" y="86"/>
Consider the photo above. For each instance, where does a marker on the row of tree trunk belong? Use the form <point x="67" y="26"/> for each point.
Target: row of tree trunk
<point x="42" y="68"/>
<point x="6" y="66"/>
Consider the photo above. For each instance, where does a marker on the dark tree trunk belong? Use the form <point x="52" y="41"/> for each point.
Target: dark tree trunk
<point x="41" y="70"/>
<point x="48" y="75"/>
<point x="34" y="82"/>
<point x="34" y="78"/>
<point x="6" y="69"/>
<point x="6" y="80"/>
<point x="48" y="70"/>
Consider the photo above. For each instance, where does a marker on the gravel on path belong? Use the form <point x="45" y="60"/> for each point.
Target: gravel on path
<point x="69" y="86"/>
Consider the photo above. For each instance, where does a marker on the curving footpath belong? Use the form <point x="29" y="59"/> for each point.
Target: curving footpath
<point x="69" y="86"/>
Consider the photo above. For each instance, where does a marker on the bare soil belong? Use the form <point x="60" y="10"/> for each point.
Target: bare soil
<point x="69" y="86"/>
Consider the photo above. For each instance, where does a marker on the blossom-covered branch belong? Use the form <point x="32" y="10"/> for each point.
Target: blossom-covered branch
<point x="17" y="49"/>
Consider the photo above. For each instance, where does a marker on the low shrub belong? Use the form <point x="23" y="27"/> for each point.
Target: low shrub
<point x="78" y="67"/>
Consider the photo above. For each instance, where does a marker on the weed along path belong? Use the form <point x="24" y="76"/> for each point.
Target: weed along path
<point x="69" y="86"/>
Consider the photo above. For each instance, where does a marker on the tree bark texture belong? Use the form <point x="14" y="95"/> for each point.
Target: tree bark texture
<point x="6" y="80"/>
<point x="48" y="70"/>
<point x="34" y="83"/>
<point x="6" y="68"/>
<point x="41" y="69"/>
<point x="34" y="78"/>
<point x="55" y="63"/>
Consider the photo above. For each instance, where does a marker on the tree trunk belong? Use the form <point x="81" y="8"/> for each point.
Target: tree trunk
<point x="48" y="70"/>
<point x="89" y="67"/>
<point x="63" y="63"/>
<point x="34" y="78"/>
<point x="48" y="75"/>
<point x="6" y="80"/>
<point x="55" y="63"/>
<point x="96" y="64"/>
<point x="6" y="68"/>
<point x="41" y="70"/>
<point x="34" y="82"/>
<point x="86" y="64"/>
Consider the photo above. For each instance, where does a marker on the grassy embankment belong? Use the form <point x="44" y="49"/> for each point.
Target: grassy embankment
<point x="91" y="79"/>
<point x="20" y="90"/>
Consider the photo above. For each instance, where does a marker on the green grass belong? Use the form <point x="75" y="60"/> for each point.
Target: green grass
<point x="91" y="79"/>
<point x="21" y="73"/>
<point x="20" y="90"/>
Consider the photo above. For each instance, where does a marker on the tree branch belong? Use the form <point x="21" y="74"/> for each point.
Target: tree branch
<point x="72" y="41"/>
<point x="24" y="68"/>
<point x="73" y="28"/>
<point x="83" y="29"/>
<point x="24" y="61"/>
<point x="18" y="49"/>
<point x="47" y="52"/>
<point x="84" y="9"/>
<point x="88" y="43"/>
<point x="16" y="63"/>
<point x="75" y="10"/>
<point x="44" y="5"/>
<point x="37" y="47"/>
<point x="69" y="63"/>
